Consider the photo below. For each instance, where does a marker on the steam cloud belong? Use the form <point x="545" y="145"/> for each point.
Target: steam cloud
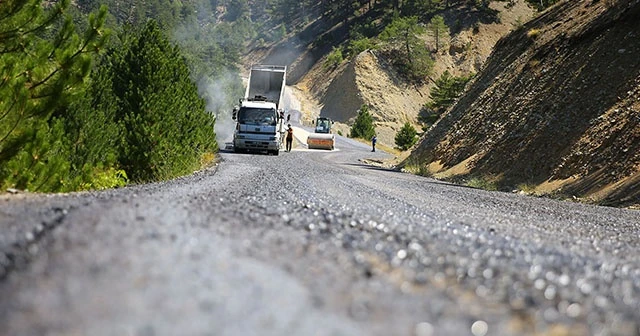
<point x="217" y="91"/>
<point x="219" y="103"/>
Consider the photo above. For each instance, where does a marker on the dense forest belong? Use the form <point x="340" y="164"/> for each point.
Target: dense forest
<point x="97" y="94"/>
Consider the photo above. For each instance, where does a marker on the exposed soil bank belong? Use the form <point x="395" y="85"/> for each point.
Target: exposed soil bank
<point x="555" y="110"/>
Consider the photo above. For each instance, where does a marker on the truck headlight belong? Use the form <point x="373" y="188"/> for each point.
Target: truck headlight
<point x="272" y="138"/>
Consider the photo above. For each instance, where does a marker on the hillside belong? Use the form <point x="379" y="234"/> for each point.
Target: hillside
<point x="555" y="110"/>
<point x="370" y="79"/>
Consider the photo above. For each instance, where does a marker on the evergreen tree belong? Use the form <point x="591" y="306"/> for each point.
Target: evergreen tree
<point x="39" y="76"/>
<point x="439" y="30"/>
<point x="406" y="137"/>
<point x="167" y="126"/>
<point x="363" y="126"/>
<point x="94" y="136"/>
<point x="448" y="88"/>
<point x="411" y="54"/>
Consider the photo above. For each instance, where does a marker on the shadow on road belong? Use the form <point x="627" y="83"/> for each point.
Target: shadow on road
<point x="427" y="180"/>
<point x="372" y="167"/>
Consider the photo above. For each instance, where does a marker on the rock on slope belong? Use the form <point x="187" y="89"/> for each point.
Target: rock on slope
<point x="556" y="108"/>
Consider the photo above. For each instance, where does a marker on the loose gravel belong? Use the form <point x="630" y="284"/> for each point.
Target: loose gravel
<point x="315" y="243"/>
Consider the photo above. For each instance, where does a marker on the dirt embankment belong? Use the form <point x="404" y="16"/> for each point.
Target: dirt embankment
<point x="556" y="109"/>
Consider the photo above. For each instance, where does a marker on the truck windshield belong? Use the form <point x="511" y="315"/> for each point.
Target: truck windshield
<point x="257" y="116"/>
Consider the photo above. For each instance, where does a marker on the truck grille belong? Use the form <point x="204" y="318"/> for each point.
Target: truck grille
<point x="257" y="144"/>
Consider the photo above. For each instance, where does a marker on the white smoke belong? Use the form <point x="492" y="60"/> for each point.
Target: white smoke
<point x="218" y="91"/>
<point x="216" y="94"/>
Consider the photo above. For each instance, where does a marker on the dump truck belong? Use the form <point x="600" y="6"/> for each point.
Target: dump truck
<point x="322" y="138"/>
<point x="259" y="116"/>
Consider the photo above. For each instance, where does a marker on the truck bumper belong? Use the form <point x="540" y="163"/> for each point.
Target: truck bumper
<point x="256" y="144"/>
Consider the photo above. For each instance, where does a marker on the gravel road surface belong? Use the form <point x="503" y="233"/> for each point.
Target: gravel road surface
<point x="314" y="243"/>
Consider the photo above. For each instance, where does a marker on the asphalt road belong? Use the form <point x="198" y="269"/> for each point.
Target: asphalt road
<point x="314" y="243"/>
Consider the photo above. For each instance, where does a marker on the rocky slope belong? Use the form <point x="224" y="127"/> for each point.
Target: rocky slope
<point x="556" y="109"/>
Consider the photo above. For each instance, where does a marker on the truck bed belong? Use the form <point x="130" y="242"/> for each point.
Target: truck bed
<point x="267" y="81"/>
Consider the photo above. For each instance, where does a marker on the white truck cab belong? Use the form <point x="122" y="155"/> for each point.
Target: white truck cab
<point x="259" y="117"/>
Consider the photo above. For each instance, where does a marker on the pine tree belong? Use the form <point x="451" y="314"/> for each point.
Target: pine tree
<point x="448" y="88"/>
<point x="167" y="126"/>
<point x="439" y="30"/>
<point x="363" y="126"/>
<point x="406" y="137"/>
<point x="412" y="56"/>
<point x="39" y="76"/>
<point x="94" y="135"/>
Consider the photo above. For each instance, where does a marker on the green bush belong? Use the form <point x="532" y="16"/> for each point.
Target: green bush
<point x="334" y="58"/>
<point x="101" y="178"/>
<point x="278" y="33"/>
<point x="363" y="127"/>
<point x="480" y="182"/>
<point x="533" y="33"/>
<point x="360" y="45"/>
<point x="368" y="28"/>
<point x="416" y="166"/>
<point x="406" y="137"/>
<point x="92" y="133"/>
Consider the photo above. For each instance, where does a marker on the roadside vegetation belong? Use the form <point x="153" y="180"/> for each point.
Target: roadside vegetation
<point x="482" y="182"/>
<point x="95" y="99"/>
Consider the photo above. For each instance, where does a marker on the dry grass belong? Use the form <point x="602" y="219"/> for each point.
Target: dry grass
<point x="534" y="63"/>
<point x="417" y="167"/>
<point x="207" y="159"/>
<point x="533" y="33"/>
<point x="526" y="188"/>
<point x="481" y="182"/>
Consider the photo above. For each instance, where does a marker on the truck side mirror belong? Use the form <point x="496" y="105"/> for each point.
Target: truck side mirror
<point x="235" y="113"/>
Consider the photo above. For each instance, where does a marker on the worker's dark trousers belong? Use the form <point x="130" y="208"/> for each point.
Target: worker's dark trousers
<point x="289" y="142"/>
